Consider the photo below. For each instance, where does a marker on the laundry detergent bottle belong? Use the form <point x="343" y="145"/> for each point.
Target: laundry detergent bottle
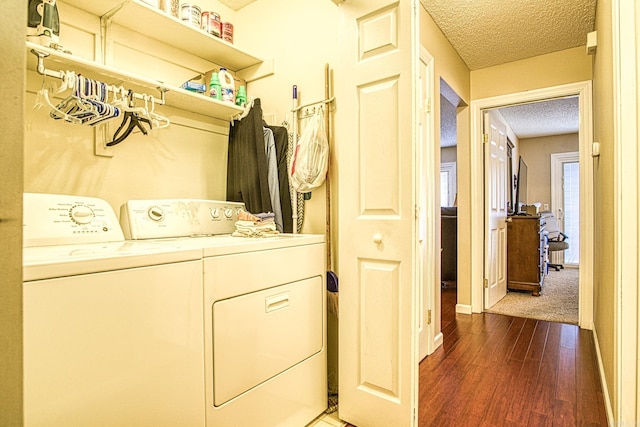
<point x="228" y="86"/>
<point x="215" y="90"/>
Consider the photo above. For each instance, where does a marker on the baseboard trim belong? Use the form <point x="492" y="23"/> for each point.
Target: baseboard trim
<point x="438" y="340"/>
<point x="463" y="308"/>
<point x="603" y="380"/>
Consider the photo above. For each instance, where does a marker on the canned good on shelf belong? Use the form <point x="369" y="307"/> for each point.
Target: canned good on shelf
<point x="211" y="23"/>
<point x="227" y="31"/>
<point x="171" y="7"/>
<point x="191" y="14"/>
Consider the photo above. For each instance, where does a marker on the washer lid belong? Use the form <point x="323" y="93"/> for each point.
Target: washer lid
<point x="69" y="260"/>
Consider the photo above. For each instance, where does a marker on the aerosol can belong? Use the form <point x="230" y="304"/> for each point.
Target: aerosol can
<point x="43" y="25"/>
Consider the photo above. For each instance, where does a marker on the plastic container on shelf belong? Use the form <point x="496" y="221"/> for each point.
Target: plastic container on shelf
<point x="228" y="86"/>
<point x="215" y="89"/>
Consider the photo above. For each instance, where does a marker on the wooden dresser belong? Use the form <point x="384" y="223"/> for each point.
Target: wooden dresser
<point x="527" y="253"/>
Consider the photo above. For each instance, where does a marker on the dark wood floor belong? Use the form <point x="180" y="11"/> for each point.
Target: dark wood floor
<point x="495" y="370"/>
<point x="502" y="371"/>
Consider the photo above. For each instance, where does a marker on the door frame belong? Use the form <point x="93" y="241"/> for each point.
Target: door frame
<point x="430" y="336"/>
<point x="584" y="92"/>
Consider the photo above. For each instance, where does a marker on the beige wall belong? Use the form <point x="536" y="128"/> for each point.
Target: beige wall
<point x="448" y="154"/>
<point x="536" y="153"/>
<point x="566" y="66"/>
<point x="604" y="292"/>
<point x="12" y="125"/>
<point x="186" y="160"/>
<point x="298" y="37"/>
<point x="449" y="66"/>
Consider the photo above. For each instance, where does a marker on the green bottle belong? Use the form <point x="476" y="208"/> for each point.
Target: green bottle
<point x="215" y="90"/>
<point x="241" y="97"/>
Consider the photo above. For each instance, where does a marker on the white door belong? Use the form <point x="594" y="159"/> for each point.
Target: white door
<point x="375" y="139"/>
<point x="427" y="249"/>
<point x="495" y="208"/>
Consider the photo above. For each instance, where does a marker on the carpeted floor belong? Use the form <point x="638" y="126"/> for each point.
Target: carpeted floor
<point x="558" y="301"/>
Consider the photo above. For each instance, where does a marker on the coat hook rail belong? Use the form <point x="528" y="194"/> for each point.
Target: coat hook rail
<point x="324" y="101"/>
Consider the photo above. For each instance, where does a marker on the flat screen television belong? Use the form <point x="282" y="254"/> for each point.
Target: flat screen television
<point x="521" y="189"/>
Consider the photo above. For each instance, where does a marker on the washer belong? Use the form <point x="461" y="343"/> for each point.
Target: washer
<point x="264" y="311"/>
<point x="112" y="329"/>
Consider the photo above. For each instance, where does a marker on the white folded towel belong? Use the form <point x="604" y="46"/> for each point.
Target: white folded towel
<point x="255" y="229"/>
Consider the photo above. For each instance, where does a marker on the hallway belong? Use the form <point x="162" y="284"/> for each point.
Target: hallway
<point x="496" y="370"/>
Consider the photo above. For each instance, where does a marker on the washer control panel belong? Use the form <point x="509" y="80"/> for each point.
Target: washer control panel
<point x="56" y="219"/>
<point x="168" y="218"/>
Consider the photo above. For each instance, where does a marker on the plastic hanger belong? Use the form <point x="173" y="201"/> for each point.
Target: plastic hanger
<point x="130" y="122"/>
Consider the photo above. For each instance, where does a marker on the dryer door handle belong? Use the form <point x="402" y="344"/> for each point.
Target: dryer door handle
<point x="276" y="302"/>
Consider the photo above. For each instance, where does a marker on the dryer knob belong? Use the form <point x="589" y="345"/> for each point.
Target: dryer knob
<point x="81" y="214"/>
<point x="215" y="213"/>
<point x="228" y="212"/>
<point x="155" y="213"/>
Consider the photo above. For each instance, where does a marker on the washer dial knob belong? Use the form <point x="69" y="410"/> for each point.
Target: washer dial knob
<point x="81" y="214"/>
<point x="228" y="212"/>
<point x="156" y="213"/>
<point x="215" y="213"/>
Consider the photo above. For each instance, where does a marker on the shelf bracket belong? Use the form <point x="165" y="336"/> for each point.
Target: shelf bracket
<point x="40" y="68"/>
<point x="105" y="31"/>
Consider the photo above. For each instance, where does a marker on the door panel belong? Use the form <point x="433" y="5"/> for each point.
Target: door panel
<point x="375" y="93"/>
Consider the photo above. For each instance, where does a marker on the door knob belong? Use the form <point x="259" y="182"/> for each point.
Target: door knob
<point x="377" y="239"/>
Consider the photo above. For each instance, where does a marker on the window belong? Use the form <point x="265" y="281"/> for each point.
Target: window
<point x="448" y="187"/>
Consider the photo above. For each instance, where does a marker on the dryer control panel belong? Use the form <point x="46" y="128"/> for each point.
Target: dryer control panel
<point x="56" y="219"/>
<point x="169" y="218"/>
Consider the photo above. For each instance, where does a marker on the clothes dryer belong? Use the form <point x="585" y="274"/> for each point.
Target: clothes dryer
<point x="264" y="311"/>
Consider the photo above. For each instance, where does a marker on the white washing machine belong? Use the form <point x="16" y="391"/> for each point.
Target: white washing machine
<point x="112" y="329"/>
<point x="264" y="312"/>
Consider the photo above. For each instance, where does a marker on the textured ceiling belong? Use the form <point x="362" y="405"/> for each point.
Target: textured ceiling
<point x="492" y="32"/>
<point x="535" y="119"/>
<point x="553" y="117"/>
<point x="236" y="4"/>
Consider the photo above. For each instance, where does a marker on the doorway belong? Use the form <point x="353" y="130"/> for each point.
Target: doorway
<point x="450" y="103"/>
<point x="583" y="91"/>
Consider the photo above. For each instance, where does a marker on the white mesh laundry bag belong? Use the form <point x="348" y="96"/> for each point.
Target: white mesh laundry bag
<point x="310" y="156"/>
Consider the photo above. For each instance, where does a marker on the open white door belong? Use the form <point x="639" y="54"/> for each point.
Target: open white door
<point x="375" y="139"/>
<point x="496" y="208"/>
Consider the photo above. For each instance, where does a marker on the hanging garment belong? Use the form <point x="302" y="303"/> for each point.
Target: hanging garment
<point x="281" y="136"/>
<point x="247" y="168"/>
<point x="297" y="199"/>
<point x="272" y="176"/>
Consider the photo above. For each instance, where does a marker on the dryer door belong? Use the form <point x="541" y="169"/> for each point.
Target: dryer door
<point x="259" y="335"/>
